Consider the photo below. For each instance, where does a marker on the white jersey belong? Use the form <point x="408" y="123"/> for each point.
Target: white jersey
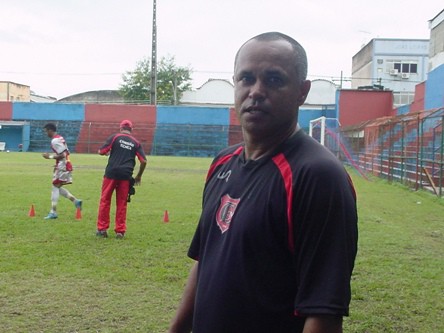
<point x="58" y="144"/>
<point x="61" y="175"/>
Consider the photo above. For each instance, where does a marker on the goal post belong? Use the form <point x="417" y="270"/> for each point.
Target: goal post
<point x="321" y="126"/>
<point x="317" y="129"/>
<point x="326" y="132"/>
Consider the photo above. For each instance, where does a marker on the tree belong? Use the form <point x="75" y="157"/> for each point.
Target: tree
<point x="172" y="81"/>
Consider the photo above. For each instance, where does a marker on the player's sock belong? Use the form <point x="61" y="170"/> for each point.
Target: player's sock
<point x="65" y="193"/>
<point x="55" y="194"/>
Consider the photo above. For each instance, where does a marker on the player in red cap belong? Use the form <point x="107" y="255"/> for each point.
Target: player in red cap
<point x="122" y="148"/>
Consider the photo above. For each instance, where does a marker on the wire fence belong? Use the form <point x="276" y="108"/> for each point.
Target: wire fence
<point x="406" y="149"/>
<point x="198" y="140"/>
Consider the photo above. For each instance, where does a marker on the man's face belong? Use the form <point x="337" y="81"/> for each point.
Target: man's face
<point x="49" y="132"/>
<point x="267" y="88"/>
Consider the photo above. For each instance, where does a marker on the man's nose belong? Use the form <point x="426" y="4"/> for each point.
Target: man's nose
<point x="257" y="90"/>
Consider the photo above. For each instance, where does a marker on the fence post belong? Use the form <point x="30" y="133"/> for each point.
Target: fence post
<point x="441" y="164"/>
<point x="419" y="152"/>
<point x="89" y="137"/>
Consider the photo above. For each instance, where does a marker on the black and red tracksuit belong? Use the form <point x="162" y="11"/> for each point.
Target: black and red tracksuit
<point x="123" y="150"/>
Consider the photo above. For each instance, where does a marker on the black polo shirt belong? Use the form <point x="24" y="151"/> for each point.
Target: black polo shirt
<point x="123" y="148"/>
<point x="276" y="240"/>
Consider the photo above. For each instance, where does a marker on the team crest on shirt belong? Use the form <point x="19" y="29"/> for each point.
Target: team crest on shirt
<point x="225" y="212"/>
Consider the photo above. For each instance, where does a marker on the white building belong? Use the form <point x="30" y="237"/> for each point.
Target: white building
<point x="322" y="92"/>
<point x="393" y="64"/>
<point x="213" y="92"/>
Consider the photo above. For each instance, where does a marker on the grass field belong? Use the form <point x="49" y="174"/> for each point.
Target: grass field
<point x="56" y="276"/>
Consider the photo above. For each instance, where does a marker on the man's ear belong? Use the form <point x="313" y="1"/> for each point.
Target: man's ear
<point x="305" y="89"/>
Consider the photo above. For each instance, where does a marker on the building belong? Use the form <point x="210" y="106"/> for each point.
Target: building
<point x="96" y="96"/>
<point x="434" y="86"/>
<point x="216" y="92"/>
<point x="392" y="64"/>
<point x="320" y="102"/>
<point x="11" y="92"/>
<point x="41" y="99"/>
<point x="436" y="52"/>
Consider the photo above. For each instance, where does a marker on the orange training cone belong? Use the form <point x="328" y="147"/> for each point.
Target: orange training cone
<point x="166" y="217"/>
<point x="78" y="214"/>
<point x="31" y="211"/>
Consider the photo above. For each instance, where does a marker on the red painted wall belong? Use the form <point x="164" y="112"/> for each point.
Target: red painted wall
<point x="102" y="120"/>
<point x="5" y="111"/>
<point x="235" y="133"/>
<point x="234" y="120"/>
<point x="117" y="112"/>
<point x="418" y="102"/>
<point x="356" y="106"/>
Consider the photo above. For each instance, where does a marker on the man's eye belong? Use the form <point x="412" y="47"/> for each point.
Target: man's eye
<point x="275" y="81"/>
<point x="246" y="79"/>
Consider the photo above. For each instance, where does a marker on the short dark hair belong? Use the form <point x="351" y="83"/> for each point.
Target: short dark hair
<point x="299" y="52"/>
<point x="50" y="126"/>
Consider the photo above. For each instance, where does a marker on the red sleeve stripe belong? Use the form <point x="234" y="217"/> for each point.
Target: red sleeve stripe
<point x="107" y="148"/>
<point x="285" y="169"/>
<point x="223" y="160"/>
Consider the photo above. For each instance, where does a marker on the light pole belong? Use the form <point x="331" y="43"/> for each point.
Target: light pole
<point x="153" y="99"/>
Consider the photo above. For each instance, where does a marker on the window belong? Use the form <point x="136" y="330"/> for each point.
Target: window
<point x="402" y="98"/>
<point x="405" y="68"/>
<point x="399" y="66"/>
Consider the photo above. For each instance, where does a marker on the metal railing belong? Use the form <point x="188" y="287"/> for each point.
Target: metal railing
<point x="407" y="149"/>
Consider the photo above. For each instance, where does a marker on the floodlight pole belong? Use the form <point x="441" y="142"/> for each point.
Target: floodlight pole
<point x="153" y="99"/>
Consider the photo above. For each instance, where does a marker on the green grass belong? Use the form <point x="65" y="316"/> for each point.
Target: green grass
<point x="56" y="276"/>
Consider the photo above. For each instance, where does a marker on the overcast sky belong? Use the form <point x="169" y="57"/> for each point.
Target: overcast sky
<point x="64" y="47"/>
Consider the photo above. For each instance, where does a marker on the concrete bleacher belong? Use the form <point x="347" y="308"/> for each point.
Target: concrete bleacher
<point x="39" y="141"/>
<point x="165" y="139"/>
<point x="92" y="135"/>
<point x="189" y="140"/>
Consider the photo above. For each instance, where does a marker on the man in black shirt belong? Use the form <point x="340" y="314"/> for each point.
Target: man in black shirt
<point x="122" y="149"/>
<point x="277" y="238"/>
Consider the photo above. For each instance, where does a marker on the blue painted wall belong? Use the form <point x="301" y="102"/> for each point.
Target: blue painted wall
<point x="26" y="137"/>
<point x="434" y="89"/>
<point x="12" y="135"/>
<point x="206" y="133"/>
<point x="189" y="140"/>
<point x="403" y="109"/>
<point x="305" y="115"/>
<point x="39" y="141"/>
<point x="193" y="115"/>
<point x="47" y="111"/>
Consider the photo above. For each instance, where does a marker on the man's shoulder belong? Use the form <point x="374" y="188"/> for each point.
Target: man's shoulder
<point x="128" y="137"/>
<point x="57" y="137"/>
<point x="305" y="153"/>
<point x="57" y="140"/>
<point x="229" y="152"/>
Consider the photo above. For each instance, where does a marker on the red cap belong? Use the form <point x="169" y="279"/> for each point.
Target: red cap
<point x="126" y="123"/>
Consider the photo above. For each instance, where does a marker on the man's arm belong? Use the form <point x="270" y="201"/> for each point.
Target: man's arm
<point x="53" y="156"/>
<point x="323" y="324"/>
<point x="138" y="177"/>
<point x="183" y="320"/>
